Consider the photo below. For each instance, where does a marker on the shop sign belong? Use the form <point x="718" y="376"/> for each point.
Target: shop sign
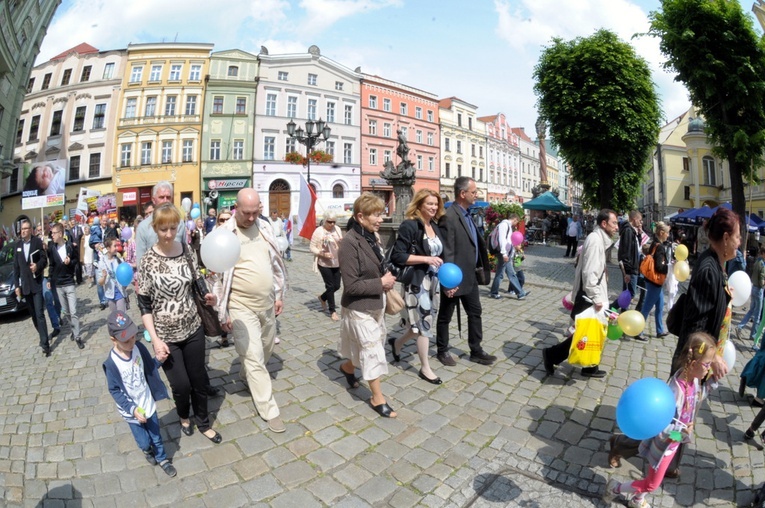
<point x="233" y="184"/>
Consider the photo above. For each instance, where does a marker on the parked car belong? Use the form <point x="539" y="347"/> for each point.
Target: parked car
<point x="9" y="304"/>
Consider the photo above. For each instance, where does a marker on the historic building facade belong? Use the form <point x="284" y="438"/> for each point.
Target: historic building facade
<point x="529" y="153"/>
<point x="159" y="126"/>
<point x="503" y="148"/>
<point x="463" y="146"/>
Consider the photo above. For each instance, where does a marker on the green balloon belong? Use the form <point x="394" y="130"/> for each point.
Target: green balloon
<point x="614" y="332"/>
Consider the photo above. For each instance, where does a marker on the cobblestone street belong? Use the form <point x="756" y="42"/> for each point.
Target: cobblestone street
<point x="501" y="435"/>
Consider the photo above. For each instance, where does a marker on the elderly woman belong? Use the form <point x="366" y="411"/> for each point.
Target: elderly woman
<point x="364" y="284"/>
<point x="170" y="316"/>
<point x="325" y="244"/>
<point x="654" y="295"/>
<point x="419" y="244"/>
<point x="86" y="255"/>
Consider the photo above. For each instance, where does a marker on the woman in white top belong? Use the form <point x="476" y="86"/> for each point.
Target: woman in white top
<point x="86" y="254"/>
<point x="325" y="244"/>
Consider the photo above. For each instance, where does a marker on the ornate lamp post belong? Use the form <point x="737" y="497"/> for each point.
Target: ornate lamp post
<point x="310" y="137"/>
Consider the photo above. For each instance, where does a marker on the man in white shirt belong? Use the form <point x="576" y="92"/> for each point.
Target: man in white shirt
<point x="505" y="259"/>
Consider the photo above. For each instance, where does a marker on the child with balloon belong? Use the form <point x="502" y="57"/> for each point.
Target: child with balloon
<point x="106" y="273"/>
<point x="689" y="389"/>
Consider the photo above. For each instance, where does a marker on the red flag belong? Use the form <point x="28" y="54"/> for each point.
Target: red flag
<point x="306" y="210"/>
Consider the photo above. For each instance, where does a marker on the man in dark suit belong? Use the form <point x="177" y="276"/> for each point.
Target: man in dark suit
<point x="29" y="261"/>
<point x="464" y="247"/>
<point x="73" y="234"/>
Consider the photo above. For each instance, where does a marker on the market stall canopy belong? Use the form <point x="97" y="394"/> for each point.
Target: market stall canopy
<point x="477" y="204"/>
<point x="546" y="201"/>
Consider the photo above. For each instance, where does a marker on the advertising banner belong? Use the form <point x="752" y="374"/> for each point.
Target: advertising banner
<point x="44" y="184"/>
<point x="82" y="198"/>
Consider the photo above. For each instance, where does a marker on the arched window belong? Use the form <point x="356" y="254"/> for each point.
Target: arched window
<point x="338" y="191"/>
<point x="708" y="167"/>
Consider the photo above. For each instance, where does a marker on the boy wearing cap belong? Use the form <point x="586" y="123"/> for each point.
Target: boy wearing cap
<point x="132" y="376"/>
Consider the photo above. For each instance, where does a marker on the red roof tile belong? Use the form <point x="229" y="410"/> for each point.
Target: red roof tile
<point x="80" y="49"/>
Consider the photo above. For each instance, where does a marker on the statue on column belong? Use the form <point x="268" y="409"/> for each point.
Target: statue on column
<point x="401" y="177"/>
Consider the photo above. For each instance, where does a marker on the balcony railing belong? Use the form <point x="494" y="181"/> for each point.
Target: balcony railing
<point x="159" y="120"/>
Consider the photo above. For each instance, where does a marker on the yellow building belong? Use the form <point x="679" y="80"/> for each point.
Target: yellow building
<point x="159" y="123"/>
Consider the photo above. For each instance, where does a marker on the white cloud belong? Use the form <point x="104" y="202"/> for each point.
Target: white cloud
<point x="321" y="14"/>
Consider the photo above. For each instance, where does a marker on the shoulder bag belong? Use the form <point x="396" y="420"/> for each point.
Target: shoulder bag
<point x="404" y="274"/>
<point x="648" y="268"/>
<point x="394" y="302"/>
<point x="210" y="321"/>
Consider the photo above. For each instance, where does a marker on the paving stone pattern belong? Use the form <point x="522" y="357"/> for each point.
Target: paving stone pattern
<point x="502" y="435"/>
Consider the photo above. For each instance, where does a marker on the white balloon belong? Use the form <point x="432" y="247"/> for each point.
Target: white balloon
<point x="741" y="287"/>
<point x="186" y="204"/>
<point x="220" y="250"/>
<point x="729" y="354"/>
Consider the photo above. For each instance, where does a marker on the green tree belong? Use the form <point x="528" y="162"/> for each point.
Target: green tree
<point x="599" y="101"/>
<point x="713" y="47"/>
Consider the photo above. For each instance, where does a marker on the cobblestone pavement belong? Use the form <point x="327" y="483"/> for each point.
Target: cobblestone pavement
<point x="488" y="436"/>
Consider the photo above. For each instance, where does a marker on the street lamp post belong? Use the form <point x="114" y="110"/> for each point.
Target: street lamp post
<point x="309" y="137"/>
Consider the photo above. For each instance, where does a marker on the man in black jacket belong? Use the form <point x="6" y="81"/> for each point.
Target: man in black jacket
<point x="29" y="261"/>
<point x="464" y="247"/>
<point x="62" y="272"/>
<point x="629" y="253"/>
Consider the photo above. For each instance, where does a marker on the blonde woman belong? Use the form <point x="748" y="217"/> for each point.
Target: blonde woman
<point x="654" y="296"/>
<point x="325" y="244"/>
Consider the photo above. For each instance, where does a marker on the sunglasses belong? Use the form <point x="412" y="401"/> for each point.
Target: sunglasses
<point x="223" y="219"/>
<point x="330" y="222"/>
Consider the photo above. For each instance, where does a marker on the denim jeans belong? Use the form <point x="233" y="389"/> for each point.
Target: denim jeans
<point x="147" y="436"/>
<point x="52" y="303"/>
<point x="654" y="297"/>
<point x="68" y="298"/>
<point x="502" y="269"/>
<point x="755" y="311"/>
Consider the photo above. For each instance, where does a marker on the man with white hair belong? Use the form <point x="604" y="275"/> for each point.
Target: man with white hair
<point x="145" y="237"/>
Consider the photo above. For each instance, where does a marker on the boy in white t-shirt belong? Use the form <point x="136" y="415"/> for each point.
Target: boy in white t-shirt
<point x="132" y="376"/>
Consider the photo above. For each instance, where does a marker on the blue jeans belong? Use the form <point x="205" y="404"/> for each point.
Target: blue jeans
<point x="52" y="303"/>
<point x="147" y="436"/>
<point x="654" y="297"/>
<point x="502" y="269"/>
<point x="755" y="311"/>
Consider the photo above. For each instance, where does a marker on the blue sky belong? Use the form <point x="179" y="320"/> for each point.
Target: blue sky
<point x="482" y="51"/>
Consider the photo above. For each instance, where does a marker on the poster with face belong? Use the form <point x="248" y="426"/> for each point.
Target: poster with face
<point x="44" y="184"/>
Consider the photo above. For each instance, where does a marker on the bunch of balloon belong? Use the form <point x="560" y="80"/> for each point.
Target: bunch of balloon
<point x="682" y="269"/>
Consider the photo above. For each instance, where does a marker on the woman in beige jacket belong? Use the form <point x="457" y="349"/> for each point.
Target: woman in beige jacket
<point x="325" y="245"/>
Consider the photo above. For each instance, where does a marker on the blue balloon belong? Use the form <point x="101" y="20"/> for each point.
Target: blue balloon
<point x="194" y="213"/>
<point x="645" y="408"/>
<point x="449" y="275"/>
<point x="124" y="274"/>
<point x="65" y="217"/>
<point x="196" y="205"/>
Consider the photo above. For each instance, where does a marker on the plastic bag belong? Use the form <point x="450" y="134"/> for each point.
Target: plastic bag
<point x="589" y="338"/>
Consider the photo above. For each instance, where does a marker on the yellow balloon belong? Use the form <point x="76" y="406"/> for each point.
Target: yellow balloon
<point x="681" y="253"/>
<point x="682" y="270"/>
<point x="631" y="322"/>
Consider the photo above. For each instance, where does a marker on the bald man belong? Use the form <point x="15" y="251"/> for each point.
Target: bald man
<point x="250" y="297"/>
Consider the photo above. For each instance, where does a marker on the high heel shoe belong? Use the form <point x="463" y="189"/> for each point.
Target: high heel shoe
<point x="216" y="437"/>
<point x="351" y="378"/>
<point x="392" y="343"/>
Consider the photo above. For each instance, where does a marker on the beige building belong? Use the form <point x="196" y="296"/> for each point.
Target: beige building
<point x="463" y="146"/>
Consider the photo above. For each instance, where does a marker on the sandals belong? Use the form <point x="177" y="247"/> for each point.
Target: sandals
<point x="614" y="459"/>
<point x="383" y="410"/>
<point x="392" y="344"/>
<point x="351" y="378"/>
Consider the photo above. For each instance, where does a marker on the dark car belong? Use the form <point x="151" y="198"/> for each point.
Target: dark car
<point x="9" y="304"/>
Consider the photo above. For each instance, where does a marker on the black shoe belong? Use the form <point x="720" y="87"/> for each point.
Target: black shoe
<point x="216" y="437"/>
<point x="80" y="344"/>
<point x="55" y="332"/>
<point x="436" y="381"/>
<point x="549" y="366"/>
<point x="168" y="468"/>
<point x="446" y="359"/>
<point x="187" y="429"/>
<point x="662" y="335"/>
<point x="212" y="391"/>
<point x="46" y="351"/>
<point x="749" y="434"/>
<point x="103" y="306"/>
<point x="757" y="403"/>
<point x="593" y="372"/>
<point x="640" y="338"/>
<point x="351" y="379"/>
<point x="150" y="457"/>
<point x="483" y="358"/>
<point x="742" y="387"/>
<point x="392" y="344"/>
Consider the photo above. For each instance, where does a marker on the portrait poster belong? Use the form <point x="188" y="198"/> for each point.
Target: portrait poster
<point x="44" y="184"/>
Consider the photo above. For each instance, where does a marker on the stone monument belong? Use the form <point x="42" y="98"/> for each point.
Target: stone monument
<point x="401" y="177"/>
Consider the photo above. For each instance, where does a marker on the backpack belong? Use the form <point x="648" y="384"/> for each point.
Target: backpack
<point x="648" y="269"/>
<point x="494" y="241"/>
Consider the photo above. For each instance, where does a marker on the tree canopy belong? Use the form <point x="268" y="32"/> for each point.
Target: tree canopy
<point x="713" y="47"/>
<point x="600" y="103"/>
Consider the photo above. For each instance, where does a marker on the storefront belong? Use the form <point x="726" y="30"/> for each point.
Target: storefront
<point x="130" y="202"/>
<point x="221" y="192"/>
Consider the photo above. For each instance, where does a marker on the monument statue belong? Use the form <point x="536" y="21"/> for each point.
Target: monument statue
<point x="401" y="177"/>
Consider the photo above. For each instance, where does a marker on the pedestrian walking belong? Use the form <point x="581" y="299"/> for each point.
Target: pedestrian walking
<point x="325" y="245"/>
<point x="29" y="262"/>
<point x="61" y="256"/>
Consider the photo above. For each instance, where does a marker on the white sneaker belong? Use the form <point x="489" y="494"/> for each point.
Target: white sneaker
<point x="636" y="502"/>
<point x="612" y="491"/>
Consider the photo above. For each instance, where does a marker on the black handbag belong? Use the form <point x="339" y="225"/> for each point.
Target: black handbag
<point x="675" y="316"/>
<point x="199" y="289"/>
<point x="404" y="274"/>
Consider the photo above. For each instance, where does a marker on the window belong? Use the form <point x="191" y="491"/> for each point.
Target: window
<point x="373" y="156"/>
<point x="373" y="127"/>
<point x="419" y="162"/>
<point x="418" y="136"/>
<point x="191" y="105"/>
<point x="215" y="150"/>
<point x="447" y="170"/>
<point x="292" y="106"/>
<point x="330" y="112"/>
<point x="347" y="153"/>
<point x="85" y="76"/>
<point x="66" y="77"/>
<point x="55" y="124"/>
<point x="46" y="82"/>
<point x="241" y="105"/>
<point x="283" y="76"/>
<point x="94" y="171"/>
<point x="430" y="115"/>
<point x="269" y="148"/>
<point x="167" y="152"/>
<point x="156" y="73"/>
<point x="472" y="149"/>
<point x="145" y="153"/>
<point x="151" y="106"/>
<point x="387" y="156"/>
<point x="709" y="170"/>
<point x="386" y="104"/>
<point x="348" y="114"/>
<point x="686" y="164"/>
<point x="188" y="150"/>
<point x="74" y="168"/>
<point x="312" y="78"/>
<point x="373" y="101"/>
<point x="386" y="130"/>
<point x="403" y="108"/>
<point x="170" y="105"/>
<point x="19" y="132"/>
<point x="459" y="119"/>
<point x="339" y="86"/>
<point x="459" y="170"/>
<point x="195" y="73"/>
<point x="330" y="148"/>
<point x="290" y="145"/>
<point x="238" y="150"/>
<point x="470" y="123"/>
<point x="136" y="73"/>
<point x="98" y="116"/>
<point x="233" y="71"/>
<point x="431" y="163"/>
<point x="175" y="72"/>
<point x="338" y="191"/>
<point x="447" y="145"/>
<point x="687" y="192"/>
<point x="79" y="118"/>
<point x="14" y="178"/>
<point x="430" y="139"/>
<point x="217" y="108"/>
<point x="108" y="70"/>
<point x="312" y="109"/>
<point x="271" y="104"/>
<point x="125" y="155"/>
<point x="472" y="174"/>
<point x="30" y="85"/>
<point x="418" y="112"/>
<point x="459" y="146"/>
<point x="405" y="132"/>
<point x="130" y="106"/>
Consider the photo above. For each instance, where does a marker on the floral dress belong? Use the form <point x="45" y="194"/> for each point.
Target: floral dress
<point x="421" y="302"/>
